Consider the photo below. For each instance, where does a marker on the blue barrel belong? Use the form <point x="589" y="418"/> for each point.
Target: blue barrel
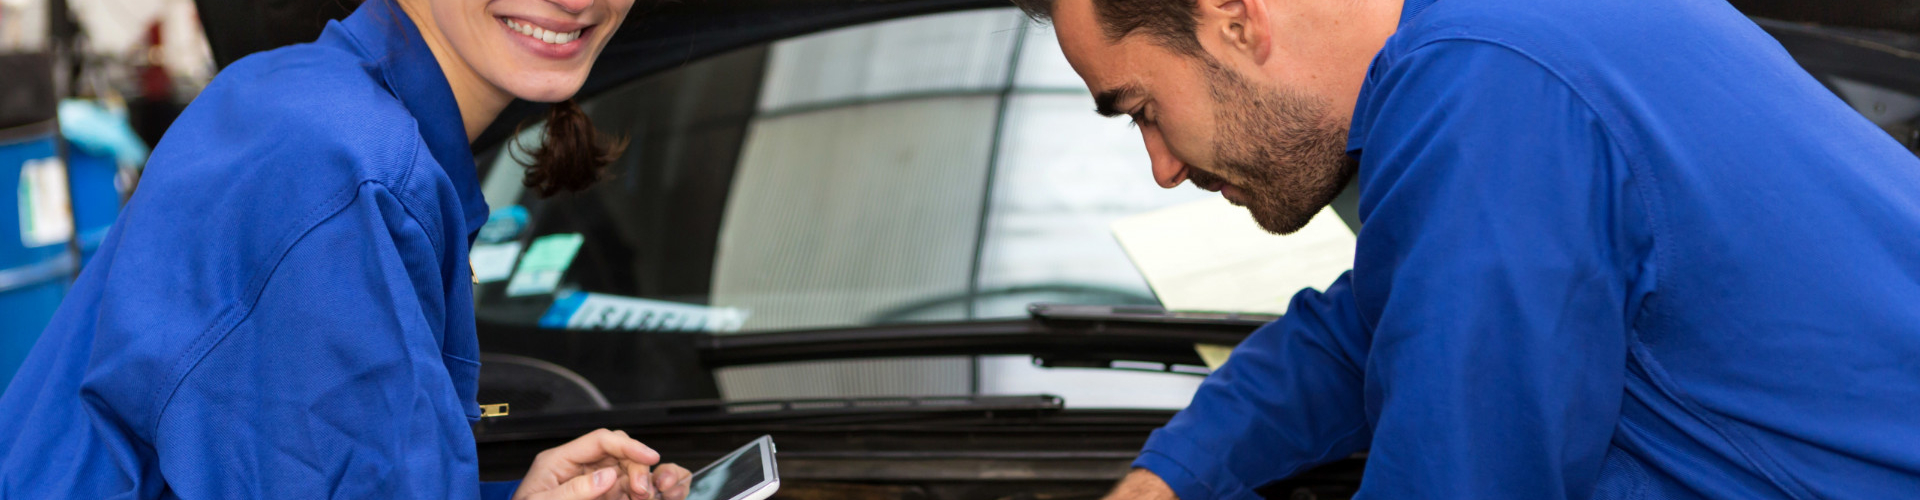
<point x="96" y="197"/>
<point x="34" y="269"/>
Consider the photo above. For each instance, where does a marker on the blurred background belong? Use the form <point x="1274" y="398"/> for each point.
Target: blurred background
<point x="85" y="87"/>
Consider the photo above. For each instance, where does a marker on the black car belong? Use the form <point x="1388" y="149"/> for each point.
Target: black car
<point x="877" y="230"/>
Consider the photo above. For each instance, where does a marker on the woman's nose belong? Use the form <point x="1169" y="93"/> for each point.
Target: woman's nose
<point x="573" y="6"/>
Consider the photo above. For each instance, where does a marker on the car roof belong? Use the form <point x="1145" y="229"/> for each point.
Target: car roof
<point x="1870" y="40"/>
<point x="239" y="27"/>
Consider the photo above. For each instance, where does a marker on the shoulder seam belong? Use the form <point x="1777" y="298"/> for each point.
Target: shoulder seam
<point x="1636" y="165"/>
<point x="234" y="314"/>
<point x="434" y="236"/>
<point x="1651" y="201"/>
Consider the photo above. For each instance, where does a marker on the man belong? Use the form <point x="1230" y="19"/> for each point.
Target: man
<point x="1610" y="249"/>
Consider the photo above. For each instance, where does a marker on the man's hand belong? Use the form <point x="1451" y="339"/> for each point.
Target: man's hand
<point x="602" y="465"/>
<point x="1142" y="484"/>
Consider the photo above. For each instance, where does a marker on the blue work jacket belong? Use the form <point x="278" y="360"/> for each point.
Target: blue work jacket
<point x="1614" y="249"/>
<point x="284" y="308"/>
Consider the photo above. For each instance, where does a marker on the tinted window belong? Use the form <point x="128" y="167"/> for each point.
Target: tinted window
<point x="937" y="168"/>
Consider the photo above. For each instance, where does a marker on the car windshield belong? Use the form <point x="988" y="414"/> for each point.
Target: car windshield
<point x="936" y="168"/>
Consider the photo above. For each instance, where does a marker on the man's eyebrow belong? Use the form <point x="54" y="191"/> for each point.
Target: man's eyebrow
<point x="1107" y="101"/>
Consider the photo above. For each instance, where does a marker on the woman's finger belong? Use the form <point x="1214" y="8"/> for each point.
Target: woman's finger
<point x="582" y="487"/>
<point x="601" y="445"/>
<point x="639" y="481"/>
<point x="672" y="481"/>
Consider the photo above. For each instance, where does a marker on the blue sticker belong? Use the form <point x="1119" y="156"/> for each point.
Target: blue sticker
<point x="504" y="225"/>
<point x="562" y="311"/>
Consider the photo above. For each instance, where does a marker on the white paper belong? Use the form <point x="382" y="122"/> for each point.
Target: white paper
<point x="494" y="262"/>
<point x="1211" y="256"/>
<point x="46" y="215"/>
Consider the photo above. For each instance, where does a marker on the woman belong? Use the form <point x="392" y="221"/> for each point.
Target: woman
<point x="284" y="308"/>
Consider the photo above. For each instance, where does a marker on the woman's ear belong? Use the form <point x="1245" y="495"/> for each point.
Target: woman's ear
<point x="1241" y="26"/>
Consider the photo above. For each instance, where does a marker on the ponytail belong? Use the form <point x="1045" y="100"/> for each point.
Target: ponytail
<point x="573" y="155"/>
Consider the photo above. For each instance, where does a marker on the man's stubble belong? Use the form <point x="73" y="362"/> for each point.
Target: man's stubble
<point x="1280" y="143"/>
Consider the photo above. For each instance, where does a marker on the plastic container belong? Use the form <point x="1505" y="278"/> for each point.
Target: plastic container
<point x="96" y="197"/>
<point x="36" y="263"/>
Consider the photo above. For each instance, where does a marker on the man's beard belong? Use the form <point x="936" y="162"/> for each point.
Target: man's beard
<point x="1278" y="144"/>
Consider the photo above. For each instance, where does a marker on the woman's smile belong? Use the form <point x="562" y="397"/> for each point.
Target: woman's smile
<point x="547" y="38"/>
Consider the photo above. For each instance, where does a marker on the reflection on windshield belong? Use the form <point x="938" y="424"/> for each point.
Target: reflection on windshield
<point x="934" y="168"/>
<point x="926" y="169"/>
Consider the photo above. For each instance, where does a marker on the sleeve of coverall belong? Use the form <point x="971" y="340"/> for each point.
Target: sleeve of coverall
<point x="1289" y="398"/>
<point x="1495" y="259"/>
<point x="334" y="384"/>
<point x="499" y="490"/>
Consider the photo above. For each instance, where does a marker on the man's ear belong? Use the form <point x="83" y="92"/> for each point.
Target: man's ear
<point x="1240" y="24"/>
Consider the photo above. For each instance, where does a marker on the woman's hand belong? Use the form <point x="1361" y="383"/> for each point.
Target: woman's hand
<point x="601" y="465"/>
<point x="672" y="481"/>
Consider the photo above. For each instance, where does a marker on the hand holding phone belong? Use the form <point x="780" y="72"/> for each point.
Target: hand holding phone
<point x="748" y="473"/>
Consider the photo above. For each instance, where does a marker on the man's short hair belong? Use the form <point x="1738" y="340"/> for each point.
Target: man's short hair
<point x="1171" y="23"/>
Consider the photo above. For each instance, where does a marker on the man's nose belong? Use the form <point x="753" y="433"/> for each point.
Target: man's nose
<point x="572" y="6"/>
<point x="1168" y="170"/>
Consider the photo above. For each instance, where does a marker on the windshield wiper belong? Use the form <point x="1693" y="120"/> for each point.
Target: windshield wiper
<point x="679" y="366"/>
<point x="1125" y="337"/>
<point x="837" y="412"/>
<point x="1145" y="314"/>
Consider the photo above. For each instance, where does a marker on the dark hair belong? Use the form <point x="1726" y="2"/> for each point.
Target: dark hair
<point x="1172" y="23"/>
<point x="572" y="155"/>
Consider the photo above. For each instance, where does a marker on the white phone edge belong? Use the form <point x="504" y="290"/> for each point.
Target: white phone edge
<point x="764" y="491"/>
<point x="769" y="467"/>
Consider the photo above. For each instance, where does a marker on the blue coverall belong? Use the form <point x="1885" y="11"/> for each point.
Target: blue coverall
<point x="284" y="309"/>
<point x="1609" y="249"/>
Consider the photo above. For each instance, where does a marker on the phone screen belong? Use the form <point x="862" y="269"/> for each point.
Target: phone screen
<point x="729" y="477"/>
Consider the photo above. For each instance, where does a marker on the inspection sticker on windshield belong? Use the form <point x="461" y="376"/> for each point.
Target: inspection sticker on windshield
<point x="46" y="218"/>
<point x="596" y="311"/>
<point x="493" y="262"/>
<point x="546" y="259"/>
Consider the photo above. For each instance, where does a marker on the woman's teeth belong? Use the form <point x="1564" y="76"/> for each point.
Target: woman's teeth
<point x="542" y="34"/>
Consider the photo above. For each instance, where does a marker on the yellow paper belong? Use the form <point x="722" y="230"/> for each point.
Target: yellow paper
<point x="1210" y="256"/>
<point x="1213" y="355"/>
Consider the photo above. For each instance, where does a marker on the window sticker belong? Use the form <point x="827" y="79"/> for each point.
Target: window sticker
<point x="46" y="215"/>
<point x="493" y="262"/>
<point x="546" y="259"/>
<point x="595" y="311"/>
<point x="504" y="224"/>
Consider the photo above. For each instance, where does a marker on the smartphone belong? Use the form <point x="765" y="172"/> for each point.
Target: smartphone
<point x="749" y="473"/>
